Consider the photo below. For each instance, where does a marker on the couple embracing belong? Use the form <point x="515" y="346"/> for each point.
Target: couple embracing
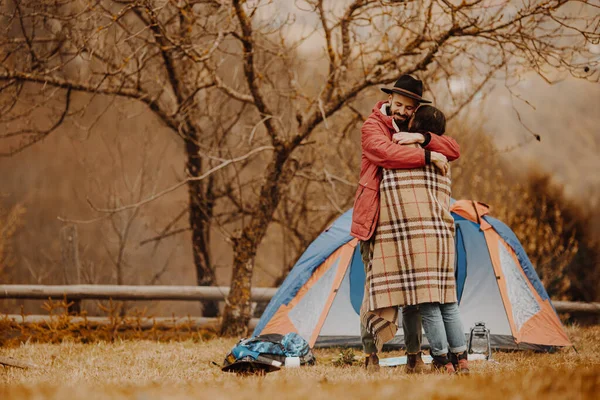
<point x="402" y="218"/>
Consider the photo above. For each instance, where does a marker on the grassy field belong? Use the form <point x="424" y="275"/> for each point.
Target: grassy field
<point x="142" y="369"/>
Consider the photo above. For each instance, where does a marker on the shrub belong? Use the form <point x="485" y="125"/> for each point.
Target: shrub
<point x="555" y="231"/>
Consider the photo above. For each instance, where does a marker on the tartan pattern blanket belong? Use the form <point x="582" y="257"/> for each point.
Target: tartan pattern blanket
<point x="412" y="253"/>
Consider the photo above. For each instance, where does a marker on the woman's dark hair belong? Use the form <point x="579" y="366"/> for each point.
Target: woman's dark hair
<point x="428" y="119"/>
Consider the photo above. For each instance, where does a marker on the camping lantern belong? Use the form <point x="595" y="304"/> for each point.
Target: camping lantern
<point x="479" y="340"/>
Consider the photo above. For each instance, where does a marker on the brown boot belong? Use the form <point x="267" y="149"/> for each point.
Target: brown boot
<point x="460" y="362"/>
<point x="442" y="364"/>
<point x="414" y="364"/>
<point x="372" y="363"/>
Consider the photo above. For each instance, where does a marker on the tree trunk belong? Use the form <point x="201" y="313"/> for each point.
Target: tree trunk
<point x="238" y="310"/>
<point x="201" y="207"/>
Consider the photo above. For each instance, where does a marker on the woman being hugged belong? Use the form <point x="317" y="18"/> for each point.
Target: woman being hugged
<point x="418" y="269"/>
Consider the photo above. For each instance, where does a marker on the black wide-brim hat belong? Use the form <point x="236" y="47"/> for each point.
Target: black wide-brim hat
<point x="407" y="86"/>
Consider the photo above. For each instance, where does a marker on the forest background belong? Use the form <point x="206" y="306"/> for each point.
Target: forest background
<point x="94" y="155"/>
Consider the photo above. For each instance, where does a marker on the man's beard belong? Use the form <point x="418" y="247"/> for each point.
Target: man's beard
<point x="402" y="124"/>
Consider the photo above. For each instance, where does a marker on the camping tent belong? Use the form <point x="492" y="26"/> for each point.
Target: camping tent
<point x="496" y="283"/>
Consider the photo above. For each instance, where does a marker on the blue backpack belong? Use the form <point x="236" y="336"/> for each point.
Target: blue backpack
<point x="267" y="353"/>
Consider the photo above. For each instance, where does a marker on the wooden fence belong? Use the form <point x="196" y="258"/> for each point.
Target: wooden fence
<point x="184" y="293"/>
<point x="127" y="292"/>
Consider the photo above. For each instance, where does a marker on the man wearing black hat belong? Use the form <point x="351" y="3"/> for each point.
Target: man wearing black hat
<point x="379" y="151"/>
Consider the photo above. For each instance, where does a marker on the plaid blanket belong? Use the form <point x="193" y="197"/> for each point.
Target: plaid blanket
<point x="412" y="254"/>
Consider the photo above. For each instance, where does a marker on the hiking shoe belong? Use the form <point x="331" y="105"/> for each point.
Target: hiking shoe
<point x="460" y="362"/>
<point x="442" y="364"/>
<point x="414" y="364"/>
<point x="372" y="363"/>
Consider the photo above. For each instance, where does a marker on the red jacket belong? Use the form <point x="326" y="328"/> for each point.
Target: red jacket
<point x="378" y="151"/>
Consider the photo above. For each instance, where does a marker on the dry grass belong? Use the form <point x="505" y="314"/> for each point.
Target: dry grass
<point x="183" y="370"/>
<point x="61" y="327"/>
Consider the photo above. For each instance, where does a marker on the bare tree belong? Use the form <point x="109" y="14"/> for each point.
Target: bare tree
<point x="153" y="52"/>
<point x="247" y="156"/>
<point x="136" y="169"/>
<point x="367" y="43"/>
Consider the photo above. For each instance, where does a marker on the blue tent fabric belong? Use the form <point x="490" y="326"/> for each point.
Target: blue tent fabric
<point x="318" y="251"/>
<point x="474" y="249"/>
<point x="460" y="269"/>
<point x="357" y="280"/>
<point x="511" y="239"/>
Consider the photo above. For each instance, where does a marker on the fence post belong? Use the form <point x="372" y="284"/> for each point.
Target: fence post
<point x="69" y="245"/>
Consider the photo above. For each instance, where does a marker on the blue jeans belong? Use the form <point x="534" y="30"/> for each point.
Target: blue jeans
<point x="443" y="328"/>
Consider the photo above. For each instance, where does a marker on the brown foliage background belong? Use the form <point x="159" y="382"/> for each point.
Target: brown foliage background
<point x="557" y="231"/>
<point x="113" y="151"/>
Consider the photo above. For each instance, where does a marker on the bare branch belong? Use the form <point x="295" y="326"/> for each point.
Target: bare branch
<point x="250" y="70"/>
<point x="164" y="235"/>
<point x="38" y="135"/>
<point x="83" y="87"/>
<point x="331" y="77"/>
<point x="180" y="184"/>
